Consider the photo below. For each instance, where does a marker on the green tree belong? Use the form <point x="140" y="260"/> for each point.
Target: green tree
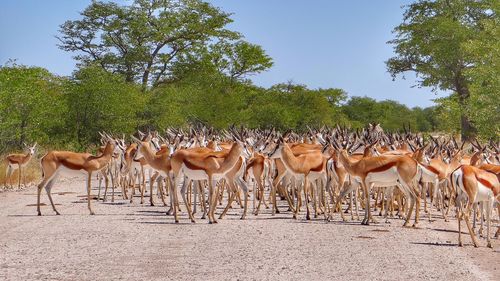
<point x="143" y="40"/>
<point x="360" y="111"/>
<point x="423" y="119"/>
<point x="101" y="101"/>
<point x="239" y="59"/>
<point x="32" y="106"/>
<point x="484" y="109"/>
<point x="393" y="116"/>
<point x="431" y="42"/>
<point x="448" y="111"/>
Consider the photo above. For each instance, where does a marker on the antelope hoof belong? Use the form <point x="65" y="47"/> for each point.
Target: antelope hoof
<point x="415" y="225"/>
<point x="460" y="244"/>
<point x="489" y="245"/>
<point x="193" y="221"/>
<point x="39" y="214"/>
<point x="57" y="213"/>
<point x="92" y="213"/>
<point x="176" y="221"/>
<point x="152" y="204"/>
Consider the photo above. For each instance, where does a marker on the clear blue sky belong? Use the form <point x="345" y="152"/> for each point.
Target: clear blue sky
<point x="320" y="43"/>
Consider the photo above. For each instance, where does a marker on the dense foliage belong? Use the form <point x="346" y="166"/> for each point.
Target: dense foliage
<point x="453" y="45"/>
<point x="160" y="63"/>
<point x="67" y="112"/>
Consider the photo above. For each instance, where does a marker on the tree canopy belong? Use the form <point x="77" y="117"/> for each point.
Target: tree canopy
<point x="433" y="42"/>
<point x="144" y="40"/>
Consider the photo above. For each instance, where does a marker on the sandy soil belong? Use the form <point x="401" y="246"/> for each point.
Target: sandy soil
<point x="135" y="242"/>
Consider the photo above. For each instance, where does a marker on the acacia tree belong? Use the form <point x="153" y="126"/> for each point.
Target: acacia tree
<point x="431" y="42"/>
<point x="143" y="40"/>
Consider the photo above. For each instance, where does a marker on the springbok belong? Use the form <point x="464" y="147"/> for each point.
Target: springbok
<point x="385" y="171"/>
<point x="308" y="167"/>
<point x="202" y="165"/>
<point x="474" y="185"/>
<point x="18" y="161"/>
<point x="55" y="163"/>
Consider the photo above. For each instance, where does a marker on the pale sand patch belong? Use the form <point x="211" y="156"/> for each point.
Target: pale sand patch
<point x="138" y="242"/>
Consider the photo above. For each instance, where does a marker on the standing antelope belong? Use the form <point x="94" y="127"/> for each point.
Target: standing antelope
<point x="474" y="185"/>
<point x="18" y="161"/>
<point x="383" y="171"/>
<point x="202" y="165"/>
<point x="56" y="162"/>
<point x="309" y="167"/>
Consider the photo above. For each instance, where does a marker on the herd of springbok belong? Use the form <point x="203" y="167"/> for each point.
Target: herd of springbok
<point x="319" y="170"/>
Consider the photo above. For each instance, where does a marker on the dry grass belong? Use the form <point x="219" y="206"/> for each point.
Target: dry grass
<point x="32" y="172"/>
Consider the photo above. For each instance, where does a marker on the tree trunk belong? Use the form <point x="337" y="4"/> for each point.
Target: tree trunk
<point x="467" y="128"/>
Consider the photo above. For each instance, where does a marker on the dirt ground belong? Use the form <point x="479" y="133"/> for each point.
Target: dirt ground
<point x="126" y="241"/>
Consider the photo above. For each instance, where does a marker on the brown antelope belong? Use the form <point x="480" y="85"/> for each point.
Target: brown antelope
<point x="158" y="161"/>
<point x="55" y="163"/>
<point x="343" y="178"/>
<point x="308" y="167"/>
<point x="202" y="165"/>
<point x="18" y="161"/>
<point x="398" y="171"/>
<point x="257" y="170"/>
<point x="442" y="170"/>
<point x="285" y="175"/>
<point x="474" y="185"/>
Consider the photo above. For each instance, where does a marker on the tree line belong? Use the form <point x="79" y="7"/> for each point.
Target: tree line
<point x="159" y="63"/>
<point x="67" y="112"/>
